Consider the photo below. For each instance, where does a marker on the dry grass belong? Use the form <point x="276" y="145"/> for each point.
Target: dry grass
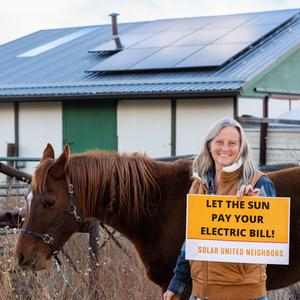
<point x="120" y="276"/>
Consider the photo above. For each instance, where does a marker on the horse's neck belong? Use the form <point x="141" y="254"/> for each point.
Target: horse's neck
<point x="173" y="181"/>
<point x="158" y="238"/>
<point x="160" y="253"/>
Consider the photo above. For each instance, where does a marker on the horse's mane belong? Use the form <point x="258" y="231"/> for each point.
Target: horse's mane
<point x="126" y="182"/>
<point x="40" y="175"/>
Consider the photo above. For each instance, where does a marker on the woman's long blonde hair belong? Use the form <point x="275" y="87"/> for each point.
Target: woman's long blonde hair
<point x="204" y="161"/>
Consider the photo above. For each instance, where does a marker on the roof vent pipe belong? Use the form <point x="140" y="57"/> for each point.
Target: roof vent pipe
<point x="114" y="23"/>
<point x="115" y="33"/>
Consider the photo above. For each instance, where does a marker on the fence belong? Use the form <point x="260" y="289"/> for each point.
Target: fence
<point x="12" y="191"/>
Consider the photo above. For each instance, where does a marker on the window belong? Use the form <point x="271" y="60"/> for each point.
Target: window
<point x="58" y="42"/>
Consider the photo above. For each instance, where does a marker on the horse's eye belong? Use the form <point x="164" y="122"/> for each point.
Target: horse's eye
<point x="48" y="202"/>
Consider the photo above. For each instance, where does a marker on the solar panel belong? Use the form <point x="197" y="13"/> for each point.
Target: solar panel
<point x="151" y="27"/>
<point x="273" y="17"/>
<point x="246" y="34"/>
<point x="160" y="40"/>
<point x="170" y="30"/>
<point x="232" y="21"/>
<point x="192" y="43"/>
<point x="127" y="40"/>
<point x="212" y="55"/>
<point x="201" y="37"/>
<point x="165" y="59"/>
<point x="188" y="25"/>
<point x="123" y="60"/>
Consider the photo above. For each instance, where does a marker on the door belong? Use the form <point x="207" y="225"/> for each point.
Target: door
<point x="90" y="125"/>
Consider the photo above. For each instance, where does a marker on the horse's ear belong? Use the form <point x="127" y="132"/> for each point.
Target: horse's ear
<point x="48" y="152"/>
<point x="59" y="167"/>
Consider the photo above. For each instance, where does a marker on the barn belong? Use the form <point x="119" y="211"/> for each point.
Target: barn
<point x="152" y="86"/>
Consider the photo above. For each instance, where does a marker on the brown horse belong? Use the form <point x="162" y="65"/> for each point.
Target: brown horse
<point x="142" y="198"/>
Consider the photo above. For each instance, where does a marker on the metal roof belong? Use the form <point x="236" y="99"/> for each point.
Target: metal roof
<point x="60" y="72"/>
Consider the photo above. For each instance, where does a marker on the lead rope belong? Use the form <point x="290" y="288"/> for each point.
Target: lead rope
<point x="69" y="260"/>
<point x="111" y="235"/>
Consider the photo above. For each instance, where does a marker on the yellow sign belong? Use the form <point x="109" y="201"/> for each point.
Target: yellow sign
<point x="243" y="223"/>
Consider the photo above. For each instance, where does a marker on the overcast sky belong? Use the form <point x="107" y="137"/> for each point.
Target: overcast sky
<point x="18" y="18"/>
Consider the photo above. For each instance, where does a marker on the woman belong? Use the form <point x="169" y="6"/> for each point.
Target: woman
<point x="223" y="167"/>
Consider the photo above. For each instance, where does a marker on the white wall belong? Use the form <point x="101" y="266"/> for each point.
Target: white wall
<point x="194" y="117"/>
<point x="40" y="123"/>
<point x="277" y="107"/>
<point x="145" y="126"/>
<point x="250" y="106"/>
<point x="7" y="134"/>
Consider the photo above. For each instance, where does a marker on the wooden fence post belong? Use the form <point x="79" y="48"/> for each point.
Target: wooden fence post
<point x="10" y="152"/>
<point x="264" y="133"/>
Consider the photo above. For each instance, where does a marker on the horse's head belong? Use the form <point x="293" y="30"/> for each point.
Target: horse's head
<point x="53" y="217"/>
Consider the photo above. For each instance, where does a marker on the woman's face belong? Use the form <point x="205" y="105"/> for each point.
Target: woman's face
<point x="225" y="147"/>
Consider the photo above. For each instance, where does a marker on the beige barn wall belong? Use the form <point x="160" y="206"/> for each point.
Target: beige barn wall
<point x="40" y="123"/>
<point x="194" y="117"/>
<point x="144" y="126"/>
<point x="7" y="134"/>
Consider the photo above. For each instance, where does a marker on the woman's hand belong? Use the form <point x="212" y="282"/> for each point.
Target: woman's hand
<point x="168" y="295"/>
<point x="248" y="190"/>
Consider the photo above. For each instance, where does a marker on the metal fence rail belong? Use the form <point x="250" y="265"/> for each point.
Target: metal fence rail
<point x="16" y="158"/>
<point x="14" y="183"/>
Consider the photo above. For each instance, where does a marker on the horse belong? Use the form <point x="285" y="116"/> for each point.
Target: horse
<point x="142" y="198"/>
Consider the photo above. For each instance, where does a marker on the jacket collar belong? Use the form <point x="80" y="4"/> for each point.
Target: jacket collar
<point x="226" y="177"/>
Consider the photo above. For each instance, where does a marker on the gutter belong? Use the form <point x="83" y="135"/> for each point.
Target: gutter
<point x="119" y="96"/>
<point x="280" y="94"/>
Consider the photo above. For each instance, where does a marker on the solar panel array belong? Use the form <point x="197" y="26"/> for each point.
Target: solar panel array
<point x="189" y="43"/>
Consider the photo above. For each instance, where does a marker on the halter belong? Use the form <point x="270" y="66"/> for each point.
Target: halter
<point x="47" y="238"/>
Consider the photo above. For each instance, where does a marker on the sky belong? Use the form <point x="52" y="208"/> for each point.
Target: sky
<point x="19" y="18"/>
